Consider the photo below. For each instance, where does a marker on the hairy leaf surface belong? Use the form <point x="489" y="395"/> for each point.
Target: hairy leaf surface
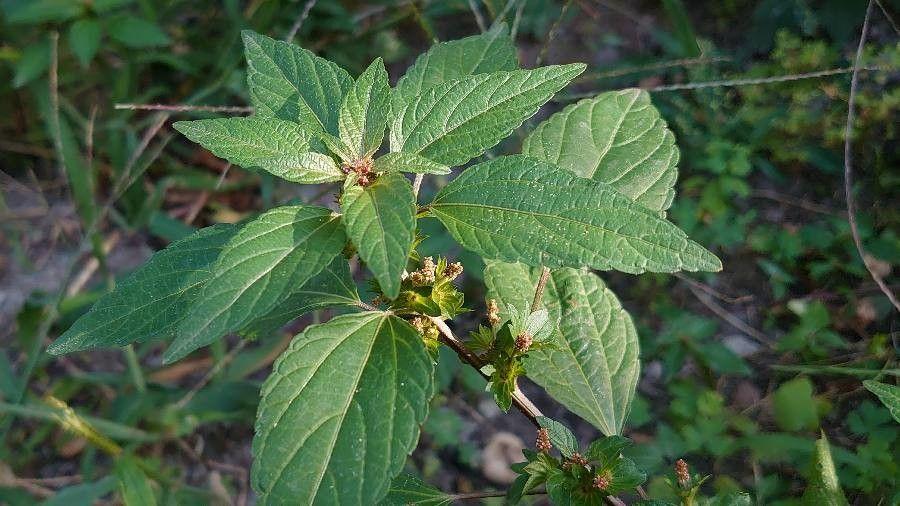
<point x="291" y="83"/>
<point x="364" y="112"/>
<point x="491" y="51"/>
<point x="453" y="122"/>
<point x="408" y="162"/>
<point x="330" y="288"/>
<point x="824" y="488"/>
<point x="276" y="146"/>
<point x="341" y="411"/>
<point x="151" y="302"/>
<point x="517" y="208"/>
<point x="381" y="223"/>
<point x="271" y="255"/>
<point x="616" y="138"/>
<point x="594" y="366"/>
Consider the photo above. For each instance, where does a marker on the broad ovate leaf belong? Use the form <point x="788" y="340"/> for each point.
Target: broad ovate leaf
<point x="408" y="162"/>
<point x="291" y="83"/>
<point x="258" y="268"/>
<point x="409" y="490"/>
<point x="491" y="51"/>
<point x="889" y="395"/>
<point x="151" y="302"/>
<point x="381" y="223"/>
<point x="453" y="122"/>
<point x="364" y="112"/>
<point x="616" y="138"/>
<point x="333" y="287"/>
<point x="276" y="146"/>
<point x="560" y="436"/>
<point x="520" y="209"/>
<point x="307" y="168"/>
<point x="341" y="411"/>
<point x="592" y="367"/>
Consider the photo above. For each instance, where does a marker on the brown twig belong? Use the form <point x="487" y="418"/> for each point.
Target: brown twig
<point x="185" y="108"/>
<point x="552" y="33"/>
<point x="729" y="318"/>
<point x="793" y="201"/>
<point x="889" y="17"/>
<point x="214" y="370"/>
<point x="712" y="291"/>
<point x="539" y="289"/>
<point x="848" y="164"/>
<point x="521" y="402"/>
<point x="299" y="22"/>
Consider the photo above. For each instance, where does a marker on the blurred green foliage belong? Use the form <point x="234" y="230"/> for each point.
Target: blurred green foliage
<point x="760" y="180"/>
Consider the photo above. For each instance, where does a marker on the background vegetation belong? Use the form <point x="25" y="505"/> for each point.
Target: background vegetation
<point x="742" y="369"/>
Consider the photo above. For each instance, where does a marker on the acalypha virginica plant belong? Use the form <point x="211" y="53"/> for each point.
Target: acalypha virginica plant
<point x="343" y="405"/>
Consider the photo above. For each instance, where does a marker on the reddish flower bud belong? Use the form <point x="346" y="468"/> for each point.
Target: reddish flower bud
<point x="543" y="441"/>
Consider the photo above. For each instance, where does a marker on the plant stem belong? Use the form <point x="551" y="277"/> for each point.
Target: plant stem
<point x="485" y="495"/>
<point x="417" y="183"/>
<point x="539" y="289"/>
<point x="521" y="402"/>
<point x="848" y="165"/>
<point x="134" y="367"/>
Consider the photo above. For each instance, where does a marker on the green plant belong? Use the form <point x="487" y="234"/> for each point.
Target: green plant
<point x="343" y="405"/>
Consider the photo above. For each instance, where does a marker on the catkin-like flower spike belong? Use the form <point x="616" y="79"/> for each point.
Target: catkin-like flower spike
<point x="523" y="342"/>
<point x="452" y="271"/>
<point x="543" y="440"/>
<point x="682" y="472"/>
<point x="602" y="480"/>
<point x="493" y="315"/>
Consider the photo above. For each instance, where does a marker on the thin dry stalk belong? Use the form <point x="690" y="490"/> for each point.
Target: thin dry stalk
<point x="848" y="165"/>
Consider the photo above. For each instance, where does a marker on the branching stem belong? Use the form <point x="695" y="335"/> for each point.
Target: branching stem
<point x="521" y="402"/>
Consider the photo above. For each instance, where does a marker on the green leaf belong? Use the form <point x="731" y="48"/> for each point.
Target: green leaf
<point x="625" y="476"/>
<point x="341" y="411"/>
<point x="133" y="483"/>
<point x="889" y="395"/>
<point x="794" y="406"/>
<point x="519" y="209"/>
<point x="616" y="138"/>
<point x="84" y="493"/>
<point x="491" y="51"/>
<point x="407" y="490"/>
<point x="34" y="61"/>
<point x="730" y="499"/>
<point x="452" y="123"/>
<point x="151" y="302"/>
<point x="606" y="450"/>
<point x="276" y="146"/>
<point x="381" y="223"/>
<point x="84" y="39"/>
<point x="594" y="366"/>
<point x="560" y="436"/>
<point x="824" y="488"/>
<point x="137" y="33"/>
<point x="69" y="152"/>
<point x="332" y="287"/>
<point x="291" y="83"/>
<point x="408" y="162"/>
<point x="364" y="111"/>
<point x="40" y="11"/>
<point x="257" y="269"/>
